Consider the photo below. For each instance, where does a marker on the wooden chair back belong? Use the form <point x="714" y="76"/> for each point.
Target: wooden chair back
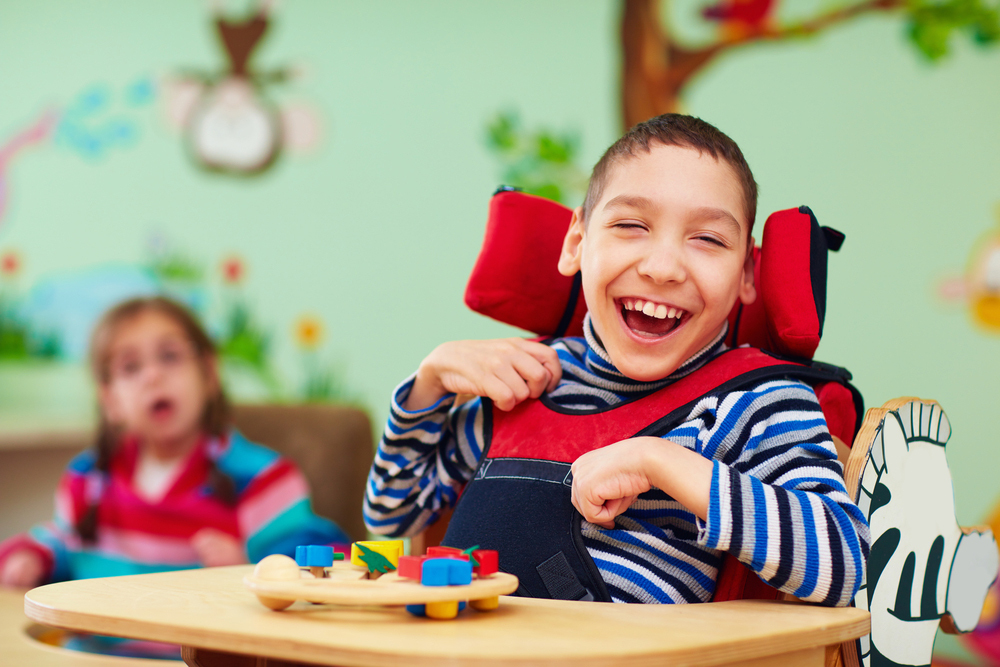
<point x="331" y="444"/>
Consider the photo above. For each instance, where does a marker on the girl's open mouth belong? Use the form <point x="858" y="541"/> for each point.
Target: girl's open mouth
<point x="651" y="320"/>
<point x="162" y="408"/>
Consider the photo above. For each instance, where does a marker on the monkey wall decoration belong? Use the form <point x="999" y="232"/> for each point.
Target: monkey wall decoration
<point x="230" y="124"/>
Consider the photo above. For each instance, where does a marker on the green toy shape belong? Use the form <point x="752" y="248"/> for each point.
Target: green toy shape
<point x="375" y="561"/>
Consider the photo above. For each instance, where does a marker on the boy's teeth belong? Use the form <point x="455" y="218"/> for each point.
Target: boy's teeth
<point x="659" y="311"/>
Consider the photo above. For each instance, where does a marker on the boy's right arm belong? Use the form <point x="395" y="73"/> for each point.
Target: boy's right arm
<point x="430" y="447"/>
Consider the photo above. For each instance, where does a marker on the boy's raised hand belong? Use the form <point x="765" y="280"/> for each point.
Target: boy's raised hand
<point x="507" y="370"/>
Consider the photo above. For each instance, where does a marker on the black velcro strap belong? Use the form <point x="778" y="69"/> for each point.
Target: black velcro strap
<point x="529" y="469"/>
<point x="560" y="580"/>
<point x="567" y="316"/>
<point x="834" y="238"/>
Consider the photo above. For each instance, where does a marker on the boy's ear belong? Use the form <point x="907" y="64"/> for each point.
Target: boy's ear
<point x="748" y="292"/>
<point x="569" y="258"/>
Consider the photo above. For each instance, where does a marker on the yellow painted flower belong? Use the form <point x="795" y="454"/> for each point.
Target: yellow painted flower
<point x="309" y="331"/>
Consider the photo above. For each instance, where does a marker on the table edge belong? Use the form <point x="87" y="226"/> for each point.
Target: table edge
<point x="221" y="640"/>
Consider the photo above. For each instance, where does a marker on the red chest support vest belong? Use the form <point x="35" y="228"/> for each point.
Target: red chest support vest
<point x="519" y="500"/>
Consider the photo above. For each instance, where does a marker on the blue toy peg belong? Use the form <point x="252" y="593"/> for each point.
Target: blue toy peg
<point x="436" y="571"/>
<point x="459" y="572"/>
<point x="446" y="572"/>
<point x="314" y="556"/>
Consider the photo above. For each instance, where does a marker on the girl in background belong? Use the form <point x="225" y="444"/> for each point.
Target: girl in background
<point x="169" y="484"/>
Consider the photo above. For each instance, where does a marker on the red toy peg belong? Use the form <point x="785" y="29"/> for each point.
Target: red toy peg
<point x="446" y="552"/>
<point x="489" y="562"/>
<point x="409" y="566"/>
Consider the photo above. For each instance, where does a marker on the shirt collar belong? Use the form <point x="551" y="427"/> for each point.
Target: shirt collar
<point x="598" y="360"/>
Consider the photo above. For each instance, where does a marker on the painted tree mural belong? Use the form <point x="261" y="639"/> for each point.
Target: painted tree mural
<point x="657" y="65"/>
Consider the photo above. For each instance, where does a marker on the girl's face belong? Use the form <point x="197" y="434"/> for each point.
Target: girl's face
<point x="157" y="384"/>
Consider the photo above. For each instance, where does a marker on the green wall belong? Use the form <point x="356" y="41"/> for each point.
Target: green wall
<point x="376" y="231"/>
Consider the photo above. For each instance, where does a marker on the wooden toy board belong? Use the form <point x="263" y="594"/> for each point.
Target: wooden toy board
<point x="347" y="586"/>
<point x="211" y="610"/>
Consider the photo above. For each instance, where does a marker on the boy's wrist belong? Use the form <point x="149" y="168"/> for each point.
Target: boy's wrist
<point x="426" y="391"/>
<point x="658" y="460"/>
<point x="679" y="472"/>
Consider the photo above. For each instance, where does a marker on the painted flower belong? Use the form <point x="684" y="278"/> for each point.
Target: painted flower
<point x="10" y="263"/>
<point x="309" y="332"/>
<point x="233" y="270"/>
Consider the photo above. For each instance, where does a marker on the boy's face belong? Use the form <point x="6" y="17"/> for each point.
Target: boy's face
<point x="668" y="236"/>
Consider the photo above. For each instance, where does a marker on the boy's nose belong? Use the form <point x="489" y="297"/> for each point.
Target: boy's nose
<point x="663" y="265"/>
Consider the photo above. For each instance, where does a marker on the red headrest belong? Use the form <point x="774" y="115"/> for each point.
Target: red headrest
<point x="516" y="281"/>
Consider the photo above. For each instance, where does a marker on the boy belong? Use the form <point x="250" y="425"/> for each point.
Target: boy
<point x="663" y="244"/>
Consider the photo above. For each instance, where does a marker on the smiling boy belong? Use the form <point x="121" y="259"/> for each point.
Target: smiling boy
<point x="663" y="245"/>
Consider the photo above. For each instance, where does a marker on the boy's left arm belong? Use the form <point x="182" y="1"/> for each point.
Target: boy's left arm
<point x="766" y="487"/>
<point x="778" y="500"/>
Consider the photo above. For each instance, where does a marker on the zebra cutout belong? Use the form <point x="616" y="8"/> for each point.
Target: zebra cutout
<point x="924" y="570"/>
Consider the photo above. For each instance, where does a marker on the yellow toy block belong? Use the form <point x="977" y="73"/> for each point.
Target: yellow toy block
<point x="391" y="549"/>
<point x="442" y="610"/>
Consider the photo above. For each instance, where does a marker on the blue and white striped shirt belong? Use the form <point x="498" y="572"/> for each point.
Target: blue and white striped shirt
<point x="777" y="501"/>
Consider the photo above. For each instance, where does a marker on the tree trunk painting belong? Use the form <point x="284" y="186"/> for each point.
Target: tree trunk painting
<point x="656" y="67"/>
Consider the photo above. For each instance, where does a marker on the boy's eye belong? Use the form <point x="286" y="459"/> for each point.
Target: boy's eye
<point x="713" y="240"/>
<point x="629" y="224"/>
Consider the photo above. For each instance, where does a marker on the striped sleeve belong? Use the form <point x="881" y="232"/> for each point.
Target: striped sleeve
<point x="424" y="459"/>
<point x="273" y="508"/>
<point x="778" y="501"/>
<point x="54" y="539"/>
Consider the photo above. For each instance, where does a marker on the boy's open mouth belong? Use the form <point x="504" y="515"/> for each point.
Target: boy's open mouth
<point x="649" y="319"/>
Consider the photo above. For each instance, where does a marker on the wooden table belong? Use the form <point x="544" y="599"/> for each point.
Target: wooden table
<point x="18" y="645"/>
<point x="209" y="611"/>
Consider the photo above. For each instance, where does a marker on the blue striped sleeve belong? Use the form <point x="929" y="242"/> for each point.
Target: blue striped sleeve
<point x="424" y="459"/>
<point x="778" y="501"/>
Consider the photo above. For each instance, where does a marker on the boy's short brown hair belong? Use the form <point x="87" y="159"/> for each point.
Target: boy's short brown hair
<point x="673" y="129"/>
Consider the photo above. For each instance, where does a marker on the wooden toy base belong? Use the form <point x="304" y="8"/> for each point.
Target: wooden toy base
<point x="278" y="584"/>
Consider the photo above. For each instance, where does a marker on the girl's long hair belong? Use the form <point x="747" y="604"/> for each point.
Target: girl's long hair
<point x="216" y="417"/>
